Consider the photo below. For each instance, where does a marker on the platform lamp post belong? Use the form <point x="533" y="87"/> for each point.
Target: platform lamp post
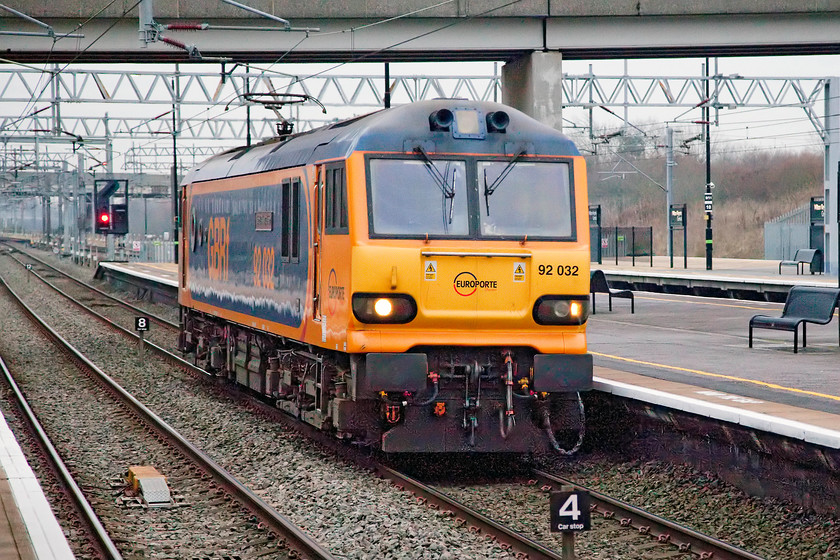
<point x="176" y="108"/>
<point x="670" y="163"/>
<point x="709" y="185"/>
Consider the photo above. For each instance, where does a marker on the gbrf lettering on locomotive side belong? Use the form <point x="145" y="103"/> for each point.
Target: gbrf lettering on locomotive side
<point x="218" y="247"/>
<point x="416" y="279"/>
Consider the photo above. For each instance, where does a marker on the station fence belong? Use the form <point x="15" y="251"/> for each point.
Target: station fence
<point x="144" y="248"/>
<point x="787" y="233"/>
<point x="621" y="243"/>
<point x="94" y="248"/>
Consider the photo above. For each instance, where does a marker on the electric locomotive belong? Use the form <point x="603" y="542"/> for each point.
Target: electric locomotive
<point x="416" y="279"/>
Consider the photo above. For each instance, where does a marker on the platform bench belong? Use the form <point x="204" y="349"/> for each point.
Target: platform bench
<point x="804" y="304"/>
<point x="598" y="283"/>
<point x="811" y="257"/>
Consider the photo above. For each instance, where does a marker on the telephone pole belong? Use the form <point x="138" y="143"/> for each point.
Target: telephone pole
<point x="707" y="197"/>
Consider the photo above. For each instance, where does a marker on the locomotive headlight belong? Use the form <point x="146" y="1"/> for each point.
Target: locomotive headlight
<point x="384" y="308"/>
<point x="557" y="309"/>
<point x="561" y="310"/>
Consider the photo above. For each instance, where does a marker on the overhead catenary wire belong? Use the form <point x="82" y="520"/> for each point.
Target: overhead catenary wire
<point x="210" y="109"/>
<point x="365" y="56"/>
<point x="55" y="74"/>
<point x="655" y="129"/>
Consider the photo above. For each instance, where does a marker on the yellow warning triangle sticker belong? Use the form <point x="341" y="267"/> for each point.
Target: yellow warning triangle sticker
<point x="519" y="269"/>
<point x="431" y="268"/>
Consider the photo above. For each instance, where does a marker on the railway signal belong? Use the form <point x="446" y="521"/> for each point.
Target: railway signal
<point x="110" y="216"/>
<point x="103" y="222"/>
<point x="102" y="209"/>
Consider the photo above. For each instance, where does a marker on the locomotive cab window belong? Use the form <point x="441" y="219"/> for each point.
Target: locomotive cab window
<point x="290" y="231"/>
<point x="417" y="197"/>
<point x="525" y="198"/>
<point x="505" y="198"/>
<point x="336" y="201"/>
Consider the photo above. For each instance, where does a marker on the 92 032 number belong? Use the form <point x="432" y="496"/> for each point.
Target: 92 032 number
<point x="560" y="270"/>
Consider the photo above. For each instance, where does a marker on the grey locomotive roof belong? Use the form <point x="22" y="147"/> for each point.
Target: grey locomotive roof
<point x="397" y="129"/>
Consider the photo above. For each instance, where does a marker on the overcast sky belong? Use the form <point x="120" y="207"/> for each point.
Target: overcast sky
<point x="753" y="128"/>
<point x="738" y="130"/>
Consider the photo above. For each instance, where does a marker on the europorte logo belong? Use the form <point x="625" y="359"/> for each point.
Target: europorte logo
<point x="335" y="293"/>
<point x="466" y="284"/>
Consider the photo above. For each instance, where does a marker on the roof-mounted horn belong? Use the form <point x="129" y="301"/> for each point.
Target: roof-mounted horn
<point x="441" y="119"/>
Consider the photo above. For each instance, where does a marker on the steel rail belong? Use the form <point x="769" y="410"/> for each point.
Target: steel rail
<point x="163" y="352"/>
<point x="296" y="538"/>
<point x="683" y="538"/>
<point x="159" y="320"/>
<point x="103" y="540"/>
<point x="504" y="535"/>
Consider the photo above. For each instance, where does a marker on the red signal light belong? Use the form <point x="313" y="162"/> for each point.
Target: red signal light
<point x="104" y="218"/>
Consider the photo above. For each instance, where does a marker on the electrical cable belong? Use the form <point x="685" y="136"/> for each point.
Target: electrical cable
<point x="56" y="39"/>
<point x="368" y="55"/>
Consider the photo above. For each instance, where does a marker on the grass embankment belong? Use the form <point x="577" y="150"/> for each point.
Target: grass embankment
<point x="750" y="189"/>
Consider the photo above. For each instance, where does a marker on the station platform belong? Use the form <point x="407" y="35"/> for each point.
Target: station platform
<point x="152" y="281"/>
<point x="811" y="426"/>
<point x="739" y="278"/>
<point x="690" y="352"/>
<point x="165" y="274"/>
<point x="28" y="527"/>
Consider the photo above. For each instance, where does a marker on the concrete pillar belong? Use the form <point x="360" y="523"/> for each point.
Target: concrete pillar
<point x="832" y="169"/>
<point x="534" y="84"/>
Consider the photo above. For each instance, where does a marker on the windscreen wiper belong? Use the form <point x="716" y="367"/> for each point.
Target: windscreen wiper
<point x="490" y="189"/>
<point x="440" y="178"/>
<point x="452" y="198"/>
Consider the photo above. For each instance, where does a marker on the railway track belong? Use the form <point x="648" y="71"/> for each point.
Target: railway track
<point x="107" y="436"/>
<point x="662" y="535"/>
<point x="673" y="536"/>
<point x="96" y="541"/>
<point x="213" y="384"/>
<point x="642" y="532"/>
<point x="115" y="312"/>
<point x="650" y="534"/>
<point x="473" y="520"/>
<point x="55" y="273"/>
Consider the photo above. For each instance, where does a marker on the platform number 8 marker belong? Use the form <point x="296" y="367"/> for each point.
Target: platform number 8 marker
<point x="141" y="324"/>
